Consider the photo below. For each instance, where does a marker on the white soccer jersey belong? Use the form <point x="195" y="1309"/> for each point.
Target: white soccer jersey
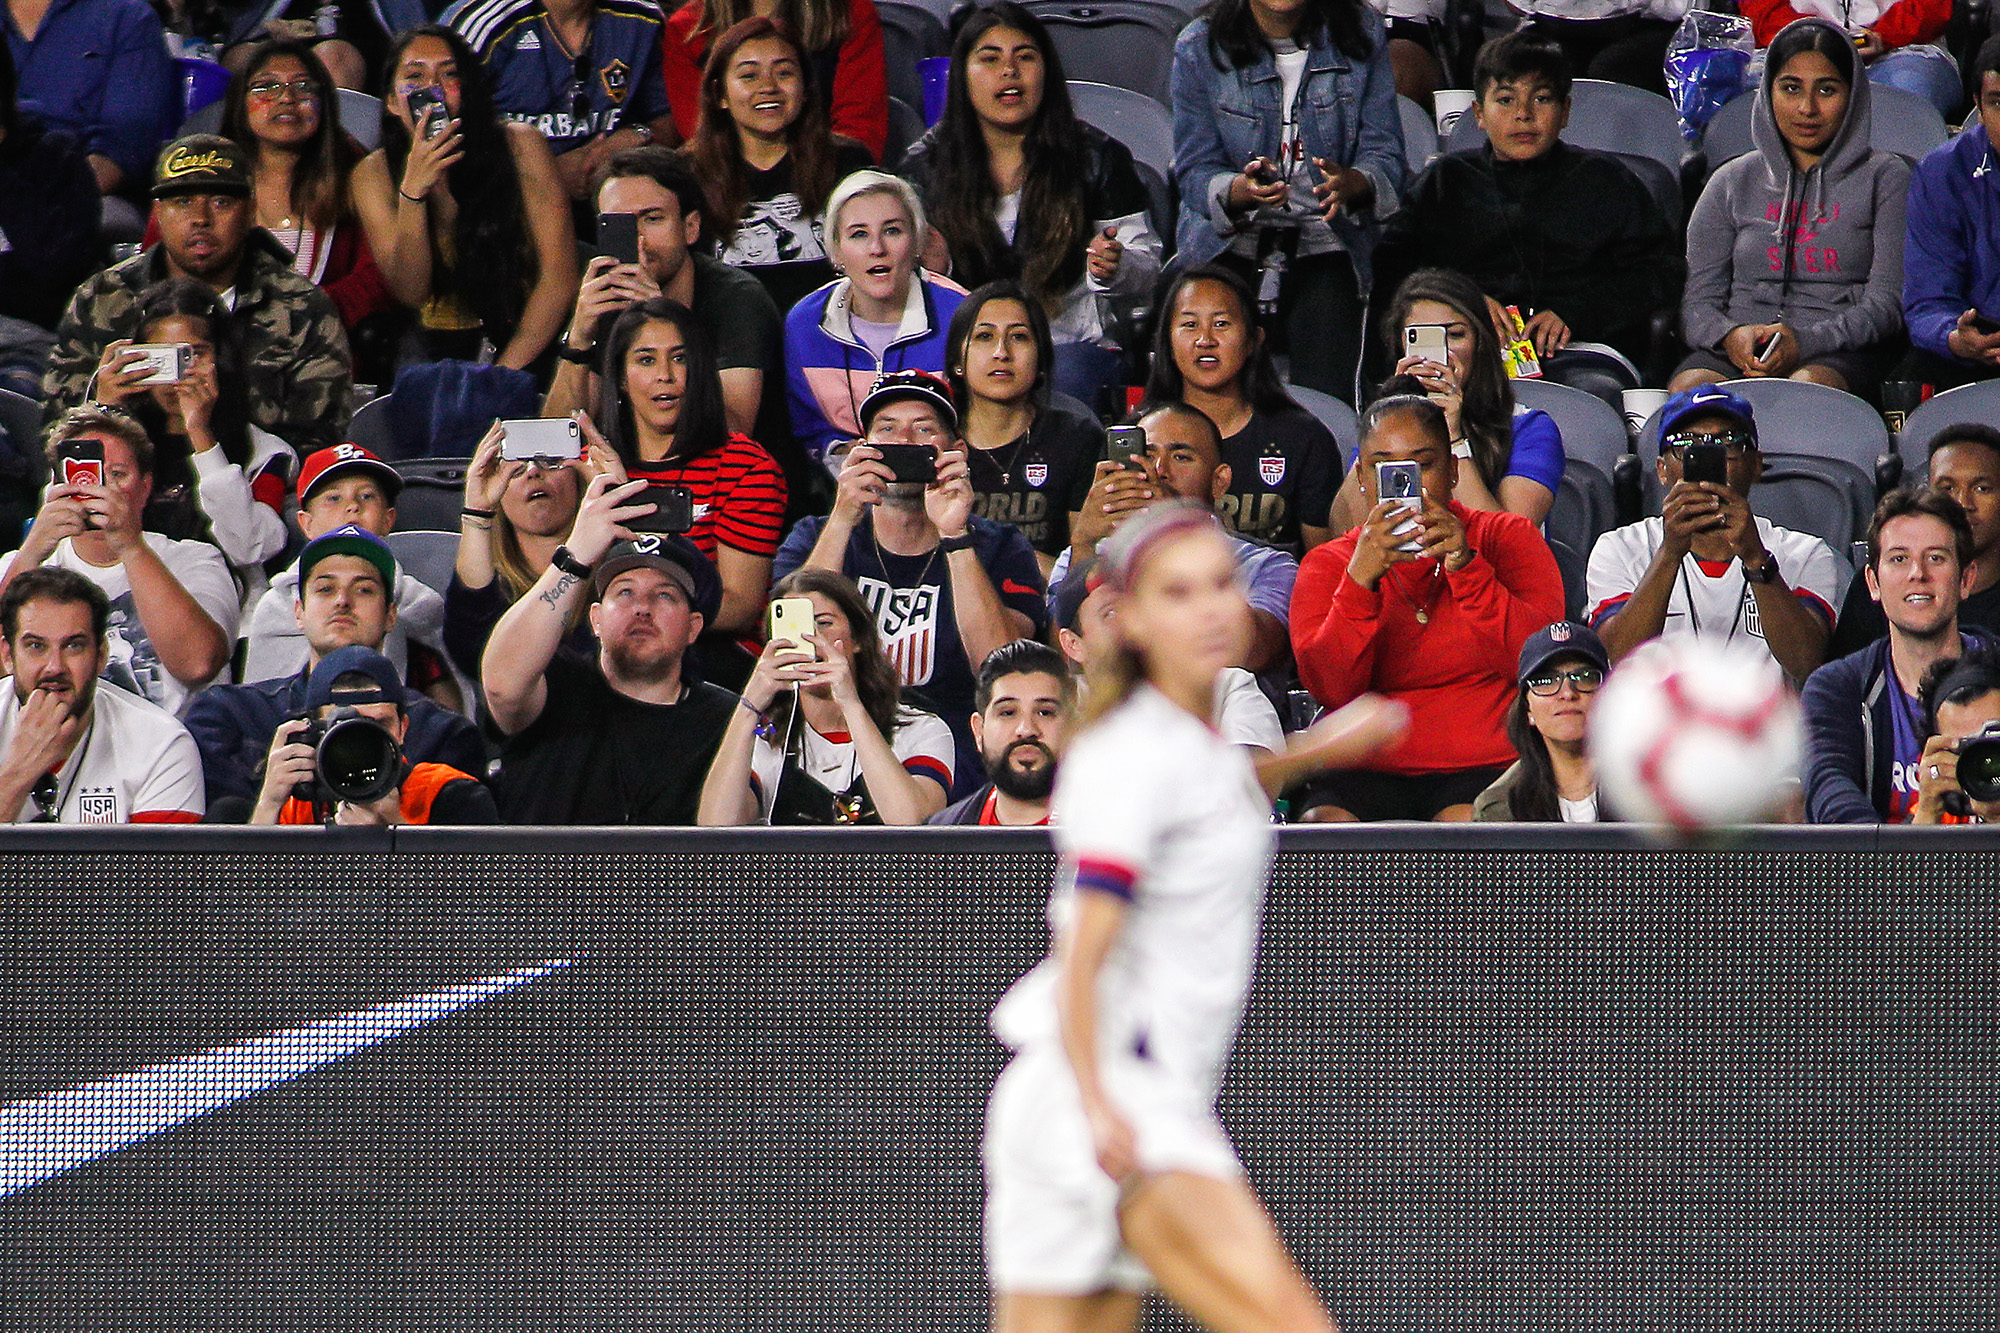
<point x="1709" y="599"/>
<point x="922" y="744"/>
<point x="136" y="764"/>
<point x="1154" y="805"/>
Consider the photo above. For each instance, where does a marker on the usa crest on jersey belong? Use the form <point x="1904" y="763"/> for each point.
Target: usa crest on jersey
<point x="1036" y="474"/>
<point x="1271" y="469"/>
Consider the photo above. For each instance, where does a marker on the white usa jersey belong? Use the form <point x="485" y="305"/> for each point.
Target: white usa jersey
<point x="135" y="765"/>
<point x="1709" y="598"/>
<point x="1152" y="804"/>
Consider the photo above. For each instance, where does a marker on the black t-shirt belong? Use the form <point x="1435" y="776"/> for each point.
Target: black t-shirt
<point x="1862" y="622"/>
<point x="1037" y="481"/>
<point x="776" y="242"/>
<point x="1284" y="468"/>
<point x="596" y="756"/>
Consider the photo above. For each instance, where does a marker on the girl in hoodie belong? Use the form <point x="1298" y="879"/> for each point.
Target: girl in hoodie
<point x="1795" y="251"/>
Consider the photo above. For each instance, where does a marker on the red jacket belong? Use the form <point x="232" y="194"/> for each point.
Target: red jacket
<point x="1456" y="673"/>
<point x="860" y="83"/>
<point x="1904" y="23"/>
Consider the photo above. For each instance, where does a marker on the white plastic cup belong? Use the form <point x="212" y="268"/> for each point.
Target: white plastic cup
<point x="1640" y="404"/>
<point x="1450" y="104"/>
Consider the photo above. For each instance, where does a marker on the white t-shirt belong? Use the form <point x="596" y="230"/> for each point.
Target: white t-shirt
<point x="922" y="744"/>
<point x="1710" y="600"/>
<point x="1578" y="812"/>
<point x="136" y="764"/>
<point x="134" y="663"/>
<point x="1244" y="715"/>
<point x="1155" y="804"/>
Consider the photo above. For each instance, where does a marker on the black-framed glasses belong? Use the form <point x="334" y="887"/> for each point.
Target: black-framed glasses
<point x="44" y="793"/>
<point x="579" y="96"/>
<point x="1583" y="679"/>
<point x="299" y="90"/>
<point x="1736" y="442"/>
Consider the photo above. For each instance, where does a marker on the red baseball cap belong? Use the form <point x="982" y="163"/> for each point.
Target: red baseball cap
<point x="327" y="464"/>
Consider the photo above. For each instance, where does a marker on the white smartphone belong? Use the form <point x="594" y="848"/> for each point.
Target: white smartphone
<point x="540" y="438"/>
<point x="791" y="622"/>
<point x="1402" y="482"/>
<point x="1426" y="341"/>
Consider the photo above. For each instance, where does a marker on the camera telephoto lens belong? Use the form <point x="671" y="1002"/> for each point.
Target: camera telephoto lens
<point x="359" y="760"/>
<point x="1979" y="764"/>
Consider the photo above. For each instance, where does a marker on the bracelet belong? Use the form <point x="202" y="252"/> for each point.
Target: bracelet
<point x="575" y="356"/>
<point x="962" y="542"/>
<point x="568" y="564"/>
<point x="413" y="198"/>
<point x="765" y="728"/>
<point x="470" y="512"/>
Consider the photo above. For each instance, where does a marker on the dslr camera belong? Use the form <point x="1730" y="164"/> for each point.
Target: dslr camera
<point x="1978" y="769"/>
<point x="355" y="759"/>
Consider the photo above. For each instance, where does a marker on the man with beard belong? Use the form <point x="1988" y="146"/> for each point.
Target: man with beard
<point x="296" y="364"/>
<point x="1864" y="712"/>
<point x="626" y="737"/>
<point x="1027" y="700"/>
<point x="74" y="749"/>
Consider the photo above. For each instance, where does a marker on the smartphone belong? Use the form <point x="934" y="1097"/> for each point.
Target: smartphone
<point x="618" y="236"/>
<point x="166" y="363"/>
<point x="1984" y="326"/>
<point x="1426" y="341"/>
<point x="1764" y="353"/>
<point x="791" y="621"/>
<point x="542" y="439"/>
<point x="1705" y="460"/>
<point x="1265" y="173"/>
<point x="1402" y="482"/>
<point x="1126" y="446"/>
<point x="909" y="462"/>
<point x="427" y="110"/>
<point x="82" y="463"/>
<point x="673" y="509"/>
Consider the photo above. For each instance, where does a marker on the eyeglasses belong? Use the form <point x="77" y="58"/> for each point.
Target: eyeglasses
<point x="299" y="90"/>
<point x="579" y="97"/>
<point x="1735" y="441"/>
<point x="44" y="792"/>
<point x="1584" y="680"/>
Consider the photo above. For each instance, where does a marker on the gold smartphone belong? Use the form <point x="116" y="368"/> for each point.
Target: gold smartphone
<point x="792" y="621"/>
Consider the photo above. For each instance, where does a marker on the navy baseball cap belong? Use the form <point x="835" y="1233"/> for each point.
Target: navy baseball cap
<point x="673" y="555"/>
<point x="1565" y="638"/>
<point x="920" y="385"/>
<point x="1706" y="400"/>
<point x="350" y="539"/>
<point x="1066" y="602"/>
<point x="354" y="660"/>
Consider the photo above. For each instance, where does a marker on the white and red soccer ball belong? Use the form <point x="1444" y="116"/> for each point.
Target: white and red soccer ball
<point x="1697" y="734"/>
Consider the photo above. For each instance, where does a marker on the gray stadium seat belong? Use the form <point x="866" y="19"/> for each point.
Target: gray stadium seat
<point x="1591" y="431"/>
<point x="1611" y="118"/>
<point x="425" y="555"/>
<point x="370" y="427"/>
<point x="1126" y="43"/>
<point x="1899" y="122"/>
<point x="21" y="426"/>
<point x="1968" y="402"/>
<point x="1823" y="496"/>
<point x="433" y="494"/>
<point x="1420" y="134"/>
<point x="361" y="117"/>
<point x="906" y="126"/>
<point x="1794" y="417"/>
<point x="1584" y="509"/>
<point x="909" y="33"/>
<point x="1335" y="415"/>
<point x="1575" y="567"/>
<point x="1145" y="128"/>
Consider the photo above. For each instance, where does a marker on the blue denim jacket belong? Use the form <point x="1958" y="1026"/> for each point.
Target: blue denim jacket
<point x="1223" y="118"/>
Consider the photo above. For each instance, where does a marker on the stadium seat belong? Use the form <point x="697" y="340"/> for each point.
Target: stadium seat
<point x="910" y="32"/>
<point x="370" y="427"/>
<point x="1584" y="509"/>
<point x="1145" y="128"/>
<point x="21" y="429"/>
<point x="1335" y="415"/>
<point x="433" y="494"/>
<point x="1420" y="135"/>
<point x="906" y="126"/>
<point x="1900" y="122"/>
<point x="202" y="120"/>
<point x="1575" y="566"/>
<point x="1591" y="431"/>
<point x="1126" y="43"/>
<point x="1794" y="417"/>
<point x="1611" y="118"/>
<point x="1823" y="496"/>
<point x="426" y="555"/>
<point x="1969" y="402"/>
<point x="361" y="118"/>
<point x="939" y="9"/>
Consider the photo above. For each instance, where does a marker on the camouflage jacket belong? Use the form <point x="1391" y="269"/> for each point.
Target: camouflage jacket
<point x="295" y="353"/>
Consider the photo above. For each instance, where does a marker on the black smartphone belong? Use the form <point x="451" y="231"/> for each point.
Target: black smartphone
<point x="1985" y="327"/>
<point x="1126" y="446"/>
<point x="1705" y="460"/>
<point x="427" y="110"/>
<point x="618" y="236"/>
<point x="673" y="509"/>
<point x="909" y="462"/>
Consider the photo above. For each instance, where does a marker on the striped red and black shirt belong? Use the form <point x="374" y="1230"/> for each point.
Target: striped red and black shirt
<point x="739" y="496"/>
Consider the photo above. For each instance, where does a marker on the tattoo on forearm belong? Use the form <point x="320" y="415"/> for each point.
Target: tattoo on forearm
<point x="560" y="588"/>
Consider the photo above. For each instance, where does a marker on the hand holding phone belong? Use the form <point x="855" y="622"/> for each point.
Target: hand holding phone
<point x="1403" y="483"/>
<point x="1427" y="342"/>
<point x="909" y="464"/>
<point x="791" y="622"/>
<point x="1705" y="460"/>
<point x="1126" y="446"/>
<point x="618" y="236"/>
<point x="541" y="440"/>
<point x="673" y="509"/>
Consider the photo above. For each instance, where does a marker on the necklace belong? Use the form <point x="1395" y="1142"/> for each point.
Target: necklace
<point x="1013" y="457"/>
<point x="882" y="559"/>
<point x="1423" y="609"/>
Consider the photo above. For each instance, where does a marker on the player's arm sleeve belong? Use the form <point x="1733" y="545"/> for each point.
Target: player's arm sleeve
<point x="1107" y="838"/>
<point x="1334" y="623"/>
<point x="172" y="790"/>
<point x="925" y="748"/>
<point x="1836" y="778"/>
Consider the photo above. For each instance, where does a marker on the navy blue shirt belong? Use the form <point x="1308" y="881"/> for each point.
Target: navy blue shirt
<point x="535" y="80"/>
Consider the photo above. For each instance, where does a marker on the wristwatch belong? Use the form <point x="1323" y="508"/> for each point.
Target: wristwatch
<point x="962" y="542"/>
<point x="577" y="356"/>
<point x="1764" y="571"/>
<point x="569" y="564"/>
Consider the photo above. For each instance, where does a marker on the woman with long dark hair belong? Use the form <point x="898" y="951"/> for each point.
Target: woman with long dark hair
<point x="1284" y="466"/>
<point x="1553" y="781"/>
<point x="767" y="160"/>
<point x="660" y="413"/>
<point x="1289" y="150"/>
<point x="824" y="736"/>
<point x="1019" y="188"/>
<point x="464" y="211"/>
<point x="284" y="109"/>
<point x="842" y="41"/>
<point x="1107" y="1171"/>
<point x="1031" y="461"/>
<point x="216" y="477"/>
<point x="1515" y="452"/>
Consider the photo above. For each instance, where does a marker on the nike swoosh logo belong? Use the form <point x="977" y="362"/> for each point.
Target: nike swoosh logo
<point x="43" y="1136"/>
<point x="1008" y="585"/>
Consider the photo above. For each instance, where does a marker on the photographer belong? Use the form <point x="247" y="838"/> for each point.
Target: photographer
<point x="358" y="686"/>
<point x="1961" y="699"/>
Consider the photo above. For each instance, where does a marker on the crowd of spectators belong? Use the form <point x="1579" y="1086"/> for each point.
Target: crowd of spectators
<point x="806" y="528"/>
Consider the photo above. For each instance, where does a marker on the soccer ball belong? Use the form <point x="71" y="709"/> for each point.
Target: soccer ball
<point x="1696" y="734"/>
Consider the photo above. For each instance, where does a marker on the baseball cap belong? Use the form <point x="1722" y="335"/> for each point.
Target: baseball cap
<point x="325" y="465"/>
<point x="201" y="164"/>
<point x="349" y="539"/>
<point x="899" y="385"/>
<point x="673" y="555"/>
<point x="1066" y="602"/>
<point x="388" y="685"/>
<point x="1706" y="400"/>
<point x="1565" y="638"/>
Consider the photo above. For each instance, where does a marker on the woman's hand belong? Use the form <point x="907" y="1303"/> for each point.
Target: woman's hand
<point x="1105" y="253"/>
<point x="1380" y="543"/>
<point x="780" y="666"/>
<point x="1443" y="538"/>
<point x="1443" y="383"/>
<point x="1780" y="361"/>
<point x="119" y="372"/>
<point x="1258" y="185"/>
<point x="1340" y="188"/>
<point x="833" y="672"/>
<point x="1548" y="332"/>
<point x="599" y="458"/>
<point x="1112" y="1139"/>
<point x="195" y="396"/>
<point x="1868" y="44"/>
<point x="485" y="477"/>
<point x="430" y="159"/>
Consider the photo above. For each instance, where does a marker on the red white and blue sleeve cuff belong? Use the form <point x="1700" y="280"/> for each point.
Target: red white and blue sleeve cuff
<point x="1101" y="876"/>
<point x="929" y="766"/>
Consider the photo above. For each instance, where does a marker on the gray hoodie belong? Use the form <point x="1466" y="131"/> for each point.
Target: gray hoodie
<point x="1837" y="279"/>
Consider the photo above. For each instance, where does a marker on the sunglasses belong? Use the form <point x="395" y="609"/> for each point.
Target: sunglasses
<point x="1584" y="680"/>
<point x="1735" y="442"/>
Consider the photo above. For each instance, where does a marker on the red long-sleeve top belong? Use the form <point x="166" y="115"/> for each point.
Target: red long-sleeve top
<point x="1455" y="673"/>
<point x="860" y="105"/>
<point x="1904" y="23"/>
